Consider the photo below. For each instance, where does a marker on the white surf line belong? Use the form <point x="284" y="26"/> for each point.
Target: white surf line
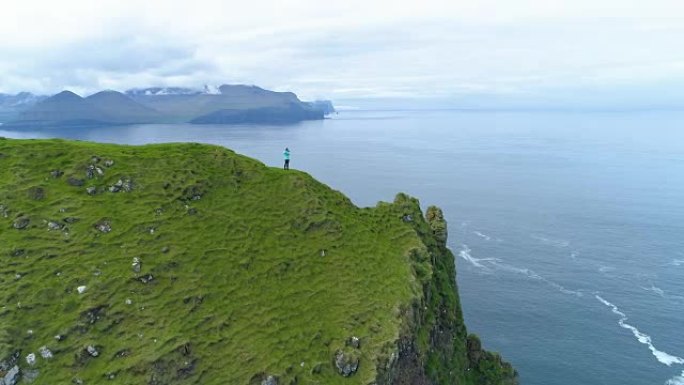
<point x="495" y="263"/>
<point x="676" y="380"/>
<point x="465" y="254"/>
<point x="532" y="275"/>
<point x="662" y="357"/>
<point x="662" y="293"/>
<point x="482" y="235"/>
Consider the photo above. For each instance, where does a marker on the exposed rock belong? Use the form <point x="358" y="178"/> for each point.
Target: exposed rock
<point x="128" y="185"/>
<point x="76" y="182"/>
<point x="92" y="315"/>
<point x="4" y="211"/>
<point x="60" y="337"/>
<point x="91" y="190"/>
<point x="90" y="172"/>
<point x="11" y="377"/>
<point x="108" y="163"/>
<point x="77" y="381"/>
<point x="36" y="193"/>
<point x="137" y="265"/>
<point x="31" y="359"/>
<point x="92" y="351"/>
<point x="103" y="226"/>
<point x="354" y="342"/>
<point x="125" y="185"/>
<point x="70" y="220"/>
<point x="435" y="219"/>
<point x="21" y="223"/>
<point x="54" y="225"/>
<point x="95" y="159"/>
<point x="128" y="301"/>
<point x="346" y="363"/>
<point x="165" y="249"/>
<point x="270" y="380"/>
<point x="146" y="278"/>
<point x="17" y="252"/>
<point x="81" y="289"/>
<point x="56" y="173"/>
<point x="45" y="352"/>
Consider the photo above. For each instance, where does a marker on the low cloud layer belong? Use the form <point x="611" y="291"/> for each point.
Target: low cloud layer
<point x="341" y="50"/>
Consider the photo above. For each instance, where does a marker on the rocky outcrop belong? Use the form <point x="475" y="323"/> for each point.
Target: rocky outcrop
<point x="434" y="348"/>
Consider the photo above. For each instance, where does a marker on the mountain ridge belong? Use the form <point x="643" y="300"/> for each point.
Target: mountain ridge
<point x="226" y="104"/>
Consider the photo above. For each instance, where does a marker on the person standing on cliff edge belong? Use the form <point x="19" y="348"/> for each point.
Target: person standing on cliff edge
<point x="286" y="156"/>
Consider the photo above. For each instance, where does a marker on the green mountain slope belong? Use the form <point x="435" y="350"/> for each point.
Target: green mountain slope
<point x="190" y="264"/>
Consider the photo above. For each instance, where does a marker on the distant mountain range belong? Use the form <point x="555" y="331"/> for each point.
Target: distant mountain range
<point x="227" y="104"/>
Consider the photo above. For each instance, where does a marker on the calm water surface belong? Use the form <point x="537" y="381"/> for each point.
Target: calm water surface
<point x="568" y="227"/>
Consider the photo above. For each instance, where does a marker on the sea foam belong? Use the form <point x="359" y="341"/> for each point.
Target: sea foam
<point x="465" y="254"/>
<point x="662" y="357"/>
<point x="482" y="235"/>
<point x="676" y="380"/>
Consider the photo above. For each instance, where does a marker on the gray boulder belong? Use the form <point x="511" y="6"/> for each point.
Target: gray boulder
<point x="21" y="223"/>
<point x="103" y="226"/>
<point x="346" y="363"/>
<point x="54" y="225"/>
<point x="11" y="377"/>
<point x="76" y="182"/>
<point x="137" y="265"/>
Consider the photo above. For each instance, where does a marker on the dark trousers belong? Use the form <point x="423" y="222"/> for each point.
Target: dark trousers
<point x="287" y="164"/>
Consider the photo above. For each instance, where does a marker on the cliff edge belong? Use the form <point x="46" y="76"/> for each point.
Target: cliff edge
<point x="190" y="264"/>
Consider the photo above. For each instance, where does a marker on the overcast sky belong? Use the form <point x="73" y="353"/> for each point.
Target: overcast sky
<point x="345" y="49"/>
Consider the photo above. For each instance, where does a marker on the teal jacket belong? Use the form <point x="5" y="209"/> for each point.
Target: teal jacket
<point x="286" y="155"/>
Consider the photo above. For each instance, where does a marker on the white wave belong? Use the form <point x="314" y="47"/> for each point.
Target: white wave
<point x="655" y="289"/>
<point x="677" y="262"/>
<point x="532" y="275"/>
<point x="662" y="357"/>
<point x="465" y="254"/>
<point x="606" y="269"/>
<point x="481" y="235"/>
<point x="487" y="264"/>
<point x="676" y="380"/>
<point x="560" y="243"/>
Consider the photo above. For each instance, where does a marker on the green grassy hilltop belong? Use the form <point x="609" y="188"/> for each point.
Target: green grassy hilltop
<point x="190" y="264"/>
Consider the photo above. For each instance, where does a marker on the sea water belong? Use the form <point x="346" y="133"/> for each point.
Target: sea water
<point x="568" y="228"/>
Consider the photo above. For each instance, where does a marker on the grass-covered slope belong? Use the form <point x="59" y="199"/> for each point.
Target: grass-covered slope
<point x="190" y="264"/>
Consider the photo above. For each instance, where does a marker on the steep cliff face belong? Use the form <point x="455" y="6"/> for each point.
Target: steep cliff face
<point x="190" y="264"/>
<point x="434" y="347"/>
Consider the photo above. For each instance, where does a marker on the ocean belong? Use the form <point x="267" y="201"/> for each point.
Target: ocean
<point x="567" y="227"/>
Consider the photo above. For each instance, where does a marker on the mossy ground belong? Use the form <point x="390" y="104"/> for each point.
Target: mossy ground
<point x="240" y="286"/>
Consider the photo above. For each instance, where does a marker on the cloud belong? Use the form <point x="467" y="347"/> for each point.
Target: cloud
<point x="344" y="49"/>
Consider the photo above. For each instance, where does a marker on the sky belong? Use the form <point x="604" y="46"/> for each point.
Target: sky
<point x="625" y="50"/>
